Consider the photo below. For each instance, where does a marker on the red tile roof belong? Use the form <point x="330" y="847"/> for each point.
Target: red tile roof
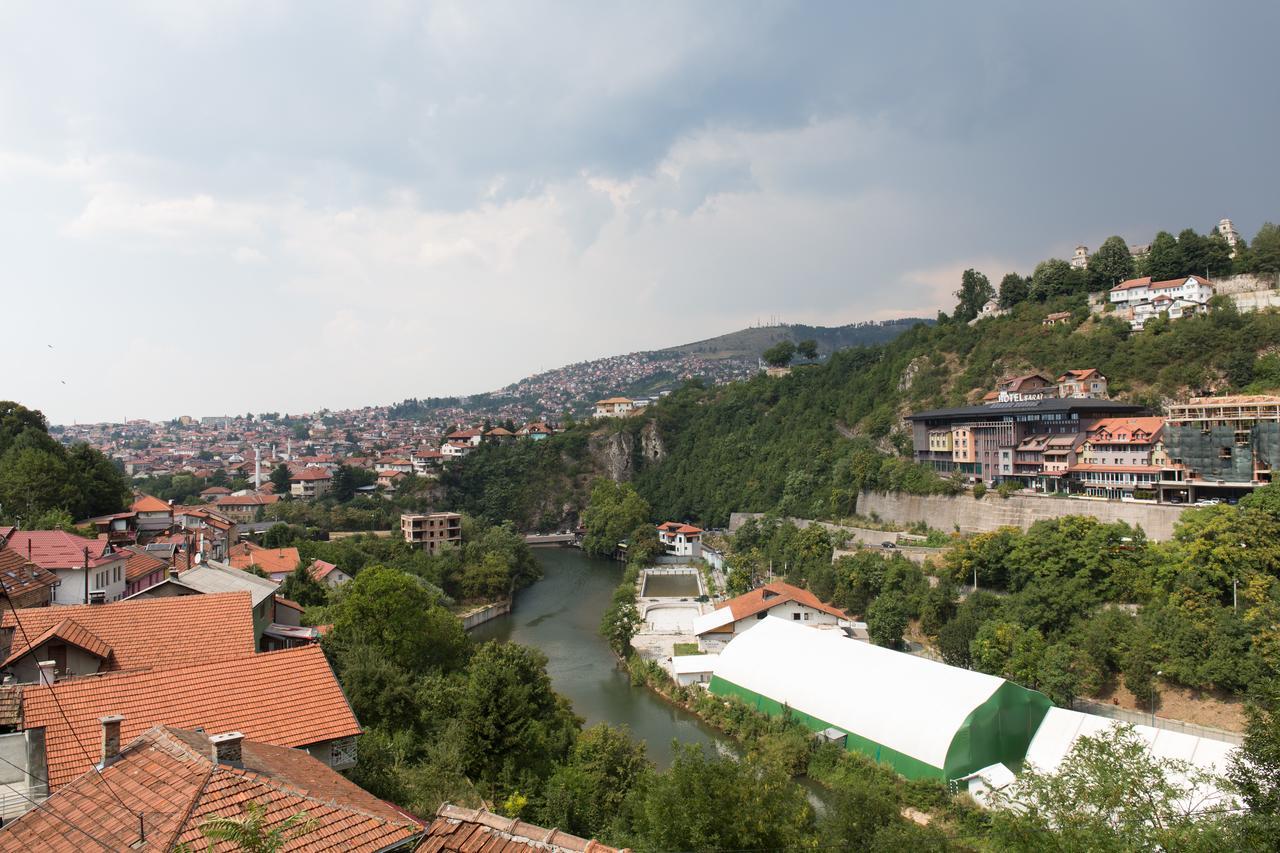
<point x="677" y="527"/>
<point x="147" y="503"/>
<point x="288" y="698"/>
<point x="246" y="500"/>
<point x="270" y="560"/>
<point x="56" y="549"/>
<point x="771" y="595"/>
<point x="321" y="570"/>
<point x="1132" y="283"/>
<point x="154" y="632"/>
<point x="139" y="564"/>
<point x="311" y="474"/>
<point x="18" y="576"/>
<point x="459" y="830"/>
<point x="68" y="631"/>
<point x="169" y="777"/>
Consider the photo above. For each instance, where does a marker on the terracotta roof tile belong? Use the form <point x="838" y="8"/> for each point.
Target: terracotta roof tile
<point x="168" y="776"/>
<point x="771" y="595"/>
<point x="147" y="503"/>
<point x="459" y="830"/>
<point x="68" y="631"/>
<point x="150" y="632"/>
<point x="270" y="560"/>
<point x="56" y="549"/>
<point x="247" y="694"/>
<point x="18" y="576"/>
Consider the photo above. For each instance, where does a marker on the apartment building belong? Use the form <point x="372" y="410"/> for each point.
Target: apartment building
<point x="432" y="531"/>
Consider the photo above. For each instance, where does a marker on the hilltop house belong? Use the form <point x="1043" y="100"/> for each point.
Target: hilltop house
<point x="614" y="407"/>
<point x="1140" y="299"/>
<point x="681" y="540"/>
<point x="1083" y="383"/>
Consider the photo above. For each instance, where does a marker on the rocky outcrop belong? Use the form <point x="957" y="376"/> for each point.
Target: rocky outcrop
<point x="611" y="454"/>
<point x="909" y="375"/>
<point x="652" y="448"/>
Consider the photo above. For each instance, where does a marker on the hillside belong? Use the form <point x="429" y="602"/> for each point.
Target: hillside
<point x="807" y="443"/>
<point x="644" y="374"/>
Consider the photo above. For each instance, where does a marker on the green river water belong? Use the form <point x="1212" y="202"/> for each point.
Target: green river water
<point x="560" y="615"/>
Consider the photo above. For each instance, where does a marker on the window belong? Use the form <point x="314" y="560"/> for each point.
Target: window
<point x="762" y="614"/>
<point x="806" y="617"/>
<point x="795" y="617"/>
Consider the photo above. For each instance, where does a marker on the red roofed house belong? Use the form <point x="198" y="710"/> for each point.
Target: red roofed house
<point x="142" y="569"/>
<point x="1083" y="383"/>
<point x="287" y="698"/>
<point x="730" y="618"/>
<point x="278" y="563"/>
<point x="328" y="574"/>
<point x="309" y="483"/>
<point x="244" y="508"/>
<point x="87" y="569"/>
<point x="461" y="830"/>
<point x="466" y="436"/>
<point x="24" y="583"/>
<point x="158" y="791"/>
<point x="1140" y="299"/>
<point x="96" y="638"/>
<point x="537" y="430"/>
<point x="154" y="514"/>
<point x="682" y="540"/>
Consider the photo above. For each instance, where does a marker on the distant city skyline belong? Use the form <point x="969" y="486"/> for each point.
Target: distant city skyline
<point x="235" y="208"/>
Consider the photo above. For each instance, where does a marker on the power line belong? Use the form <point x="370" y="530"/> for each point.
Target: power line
<point x="54" y="696"/>
<point x="40" y="807"/>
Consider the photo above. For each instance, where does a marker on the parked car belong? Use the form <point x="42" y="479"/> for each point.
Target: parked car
<point x="887" y="544"/>
<point x="1208" y="502"/>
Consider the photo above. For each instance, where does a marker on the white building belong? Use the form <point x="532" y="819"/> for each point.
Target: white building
<point x="681" y="540"/>
<point x="782" y="600"/>
<point x="615" y="407"/>
<point x="1080" y="259"/>
<point x="1140" y="299"/>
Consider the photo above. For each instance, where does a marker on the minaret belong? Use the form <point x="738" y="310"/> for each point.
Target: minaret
<point x="257" y="469"/>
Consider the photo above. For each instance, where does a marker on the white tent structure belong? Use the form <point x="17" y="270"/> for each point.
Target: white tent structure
<point x="924" y="718"/>
<point x="1061" y="729"/>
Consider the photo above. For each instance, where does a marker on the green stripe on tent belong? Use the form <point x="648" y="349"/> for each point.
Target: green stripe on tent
<point x="997" y="731"/>
<point x="912" y="768"/>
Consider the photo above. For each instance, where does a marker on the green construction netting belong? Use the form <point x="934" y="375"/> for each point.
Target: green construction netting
<point x="1224" y="452"/>
<point x="997" y="731"/>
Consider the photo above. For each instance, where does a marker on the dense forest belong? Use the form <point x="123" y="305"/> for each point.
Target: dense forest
<point x="46" y="484"/>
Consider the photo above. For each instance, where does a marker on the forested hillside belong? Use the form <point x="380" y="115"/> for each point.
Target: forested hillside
<point x="806" y="443"/>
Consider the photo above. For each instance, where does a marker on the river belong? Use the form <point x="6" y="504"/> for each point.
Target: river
<point x="560" y="615"/>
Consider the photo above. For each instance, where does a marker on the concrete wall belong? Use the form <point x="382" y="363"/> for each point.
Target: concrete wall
<point x="981" y="516"/>
<point x="485" y="614"/>
<point x="1244" y="283"/>
<point x="1257" y="300"/>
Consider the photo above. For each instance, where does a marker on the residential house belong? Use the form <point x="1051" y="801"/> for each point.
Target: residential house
<point x="461" y="830"/>
<point x="158" y="789"/>
<point x="142" y="569"/>
<point x="391" y="480"/>
<point x="245" y="509"/>
<point x="730" y="618"/>
<point x="210" y="578"/>
<point x="153" y="514"/>
<point x="1140" y="299"/>
<point x="499" y="435"/>
<point x="1116" y="458"/>
<point x="1087" y="383"/>
<point x="310" y="483"/>
<point x="536" y="430"/>
<point x="455" y="449"/>
<point x="277" y="563"/>
<point x="214" y="492"/>
<point x="681" y="540"/>
<point x="432" y="531"/>
<point x="328" y="574"/>
<point x="1057" y="318"/>
<point x="87" y="569"/>
<point x="614" y="407"/>
<point x="426" y="459"/>
<point x="289" y="698"/>
<point x="472" y="437"/>
<point x="88" y="639"/>
<point x="119" y="528"/>
<point x="1029" y="386"/>
<point x="402" y="466"/>
<point x="23" y="583"/>
<point x="991" y="308"/>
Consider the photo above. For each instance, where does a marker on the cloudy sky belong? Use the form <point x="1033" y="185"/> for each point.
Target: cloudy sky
<point x="212" y="208"/>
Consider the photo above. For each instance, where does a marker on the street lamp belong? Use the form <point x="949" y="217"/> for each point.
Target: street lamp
<point x="1153" y="698"/>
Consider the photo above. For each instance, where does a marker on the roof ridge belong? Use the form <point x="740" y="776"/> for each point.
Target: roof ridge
<point x="261" y="778"/>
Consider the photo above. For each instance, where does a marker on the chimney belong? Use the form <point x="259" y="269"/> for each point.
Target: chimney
<point x="47" y="671"/>
<point x="225" y="748"/>
<point x="173" y="573"/>
<point x="110" y="738"/>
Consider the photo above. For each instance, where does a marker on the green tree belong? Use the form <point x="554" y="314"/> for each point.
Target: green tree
<point x="1264" y="251"/>
<point x="342" y="486"/>
<point x="516" y="727"/>
<point x="1110" y="265"/>
<point x="280" y="479"/>
<point x="780" y="354"/>
<point x="714" y="803"/>
<point x="253" y="832"/>
<point x="1255" y="766"/>
<point x="1014" y="289"/>
<point x="1056" y="277"/>
<point x="614" y="510"/>
<point x="587" y="792"/>
<point x="1164" y="260"/>
<point x="1109" y="794"/>
<point x="397" y="615"/>
<point x="975" y="291"/>
<point x="807" y="350"/>
<point x="887" y="619"/>
<point x="301" y="587"/>
<point x="1204" y="255"/>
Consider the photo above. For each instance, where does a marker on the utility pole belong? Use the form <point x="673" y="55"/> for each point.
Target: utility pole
<point x="86" y="575"/>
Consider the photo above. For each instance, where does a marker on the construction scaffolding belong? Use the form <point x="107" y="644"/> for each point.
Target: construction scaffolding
<point x="1227" y="439"/>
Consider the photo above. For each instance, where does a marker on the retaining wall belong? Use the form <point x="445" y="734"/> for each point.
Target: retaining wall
<point x="485" y="614"/>
<point x="947" y="512"/>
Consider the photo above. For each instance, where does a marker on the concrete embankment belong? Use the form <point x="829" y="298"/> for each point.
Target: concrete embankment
<point x="969" y="515"/>
<point x="481" y="615"/>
